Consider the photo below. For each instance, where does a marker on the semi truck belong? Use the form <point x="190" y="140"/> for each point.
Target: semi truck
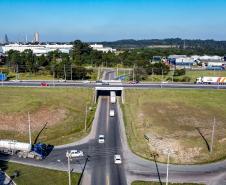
<point x="113" y="97"/>
<point x="36" y="151"/>
<point x="211" y="80"/>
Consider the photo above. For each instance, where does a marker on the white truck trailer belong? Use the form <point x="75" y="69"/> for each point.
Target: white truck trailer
<point x="25" y="150"/>
<point x="211" y="80"/>
<point x="113" y="96"/>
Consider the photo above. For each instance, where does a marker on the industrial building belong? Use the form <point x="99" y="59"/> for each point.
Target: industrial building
<point x="100" y="47"/>
<point x="37" y="49"/>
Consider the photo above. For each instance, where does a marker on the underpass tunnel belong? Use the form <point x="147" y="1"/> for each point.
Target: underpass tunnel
<point x="107" y="93"/>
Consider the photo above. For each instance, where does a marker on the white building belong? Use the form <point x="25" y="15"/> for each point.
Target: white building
<point x="37" y="49"/>
<point x="36" y="37"/>
<point x="207" y="58"/>
<point x="100" y="47"/>
<point x="44" y="49"/>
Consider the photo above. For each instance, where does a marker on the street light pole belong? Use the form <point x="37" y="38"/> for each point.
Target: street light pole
<point x="167" y="171"/>
<point x="133" y="73"/>
<point x="86" y="112"/>
<point x="29" y="127"/>
<point x="212" y="139"/>
<point x="69" y="169"/>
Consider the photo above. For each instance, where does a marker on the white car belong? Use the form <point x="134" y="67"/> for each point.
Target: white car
<point x="112" y="113"/>
<point x="74" y="153"/>
<point x="101" y="139"/>
<point x="117" y="159"/>
<point x="86" y="81"/>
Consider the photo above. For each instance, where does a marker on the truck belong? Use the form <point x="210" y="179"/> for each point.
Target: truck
<point x="113" y="97"/>
<point x="36" y="151"/>
<point x="211" y="80"/>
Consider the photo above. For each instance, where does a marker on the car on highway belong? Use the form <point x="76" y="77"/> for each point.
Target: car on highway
<point x="44" y="84"/>
<point x="86" y="81"/>
<point x="105" y="83"/>
<point x="112" y="113"/>
<point x="74" y="153"/>
<point x="134" y="82"/>
<point x="117" y="159"/>
<point x="101" y="139"/>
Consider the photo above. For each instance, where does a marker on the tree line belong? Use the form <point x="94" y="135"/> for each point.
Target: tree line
<point x="75" y="63"/>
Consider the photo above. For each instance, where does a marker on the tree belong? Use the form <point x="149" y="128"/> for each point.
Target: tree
<point x="179" y="72"/>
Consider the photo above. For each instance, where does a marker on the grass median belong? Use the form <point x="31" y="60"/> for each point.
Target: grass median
<point x="37" y="176"/>
<point x="176" y="121"/>
<point x="63" y="109"/>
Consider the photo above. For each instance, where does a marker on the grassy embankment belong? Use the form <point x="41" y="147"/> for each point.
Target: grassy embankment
<point x="175" y="120"/>
<point x="62" y="108"/>
<point x="193" y="75"/>
<point x="43" y="76"/>
<point x="157" y="183"/>
<point x="35" y="176"/>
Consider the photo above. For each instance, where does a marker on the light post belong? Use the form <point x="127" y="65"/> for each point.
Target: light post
<point x="167" y="169"/>
<point x="212" y="138"/>
<point x="69" y="169"/>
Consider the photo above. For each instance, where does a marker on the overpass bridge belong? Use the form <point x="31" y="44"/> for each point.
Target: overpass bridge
<point x="104" y="89"/>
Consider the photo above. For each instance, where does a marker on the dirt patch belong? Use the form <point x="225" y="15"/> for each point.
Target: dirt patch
<point x="19" y="121"/>
<point x="177" y="150"/>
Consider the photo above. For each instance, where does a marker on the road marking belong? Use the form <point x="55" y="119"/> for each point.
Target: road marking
<point x="107" y="180"/>
<point x="108" y="107"/>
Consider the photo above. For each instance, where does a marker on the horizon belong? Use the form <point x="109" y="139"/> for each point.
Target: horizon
<point x="112" y="20"/>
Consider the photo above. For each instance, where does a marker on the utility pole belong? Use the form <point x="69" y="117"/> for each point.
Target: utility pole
<point x="117" y="70"/>
<point x="86" y="112"/>
<point x="212" y="139"/>
<point x="69" y="168"/>
<point x="162" y="78"/>
<point x="65" y="75"/>
<point x="133" y="73"/>
<point x="71" y="72"/>
<point x="29" y="127"/>
<point x="16" y="71"/>
<point x="167" y="170"/>
<point x="152" y="74"/>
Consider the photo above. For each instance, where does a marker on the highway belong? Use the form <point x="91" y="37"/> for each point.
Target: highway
<point x="86" y="84"/>
<point x="100" y="168"/>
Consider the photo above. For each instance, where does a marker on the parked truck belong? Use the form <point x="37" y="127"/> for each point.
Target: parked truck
<point x="113" y="97"/>
<point x="211" y="80"/>
<point x="36" y="151"/>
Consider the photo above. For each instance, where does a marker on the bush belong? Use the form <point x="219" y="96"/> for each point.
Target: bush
<point x="179" y="72"/>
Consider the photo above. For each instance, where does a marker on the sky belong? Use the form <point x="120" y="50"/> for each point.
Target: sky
<point x="109" y="20"/>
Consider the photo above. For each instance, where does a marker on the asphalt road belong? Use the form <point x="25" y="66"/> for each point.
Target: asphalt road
<point x="85" y="84"/>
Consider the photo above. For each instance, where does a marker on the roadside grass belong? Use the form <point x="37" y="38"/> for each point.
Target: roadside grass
<point x="30" y="76"/>
<point x="192" y="74"/>
<point x="170" y="119"/>
<point x="72" y="102"/>
<point x="37" y="176"/>
<point x="157" y="183"/>
<point x="42" y="76"/>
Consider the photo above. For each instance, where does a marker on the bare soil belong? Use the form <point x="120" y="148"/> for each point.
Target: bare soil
<point x="19" y="121"/>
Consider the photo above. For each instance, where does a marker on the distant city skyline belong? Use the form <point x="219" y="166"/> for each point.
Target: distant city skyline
<point x="110" y="20"/>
